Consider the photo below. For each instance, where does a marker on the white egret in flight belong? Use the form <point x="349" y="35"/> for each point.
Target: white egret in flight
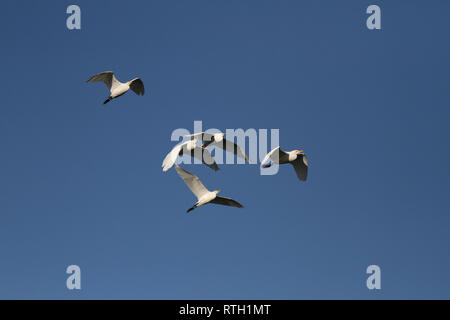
<point x="203" y="195"/>
<point x="296" y="157"/>
<point x="218" y="140"/>
<point x="190" y="148"/>
<point x="116" y="87"/>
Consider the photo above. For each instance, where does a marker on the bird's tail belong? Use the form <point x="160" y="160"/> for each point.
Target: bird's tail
<point x="107" y="100"/>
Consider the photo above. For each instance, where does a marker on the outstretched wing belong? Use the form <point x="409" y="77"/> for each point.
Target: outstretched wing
<point x="205" y="156"/>
<point x="107" y="77"/>
<point x="227" y="202"/>
<point x="192" y="181"/>
<point x="137" y="86"/>
<point x="171" y="157"/>
<point x="301" y="167"/>
<point x="230" y="146"/>
<point x="274" y="155"/>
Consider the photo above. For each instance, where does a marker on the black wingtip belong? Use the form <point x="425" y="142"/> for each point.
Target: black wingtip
<point x="107" y="100"/>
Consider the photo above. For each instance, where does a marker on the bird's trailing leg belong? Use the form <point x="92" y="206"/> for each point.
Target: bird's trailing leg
<point x="107" y="100"/>
<point x="192" y="208"/>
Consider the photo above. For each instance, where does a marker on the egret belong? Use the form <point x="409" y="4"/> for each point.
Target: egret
<point x="116" y="87"/>
<point x="218" y="140"/>
<point x="296" y="157"/>
<point x="203" y="195"/>
<point x="190" y="148"/>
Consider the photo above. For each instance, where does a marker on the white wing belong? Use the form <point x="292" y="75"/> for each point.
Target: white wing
<point x="137" y="86"/>
<point x="274" y="155"/>
<point x="108" y="78"/>
<point x="192" y="181"/>
<point x="171" y="157"/>
<point x="269" y="155"/>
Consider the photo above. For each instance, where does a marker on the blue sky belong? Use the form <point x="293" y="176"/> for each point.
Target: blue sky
<point x="81" y="183"/>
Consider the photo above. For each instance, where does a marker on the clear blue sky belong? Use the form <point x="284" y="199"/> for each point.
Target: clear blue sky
<point x="81" y="183"/>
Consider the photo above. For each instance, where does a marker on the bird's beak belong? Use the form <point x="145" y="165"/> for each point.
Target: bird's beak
<point x="299" y="151"/>
<point x="223" y="133"/>
<point x="217" y="191"/>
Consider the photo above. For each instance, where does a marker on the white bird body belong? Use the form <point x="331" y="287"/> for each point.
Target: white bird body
<point x="191" y="144"/>
<point x="291" y="156"/>
<point x="190" y="148"/>
<point x="204" y="196"/>
<point x="295" y="157"/>
<point x="117" y="88"/>
<point x="208" y="197"/>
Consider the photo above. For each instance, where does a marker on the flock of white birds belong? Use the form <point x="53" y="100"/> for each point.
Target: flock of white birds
<point x="296" y="158"/>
